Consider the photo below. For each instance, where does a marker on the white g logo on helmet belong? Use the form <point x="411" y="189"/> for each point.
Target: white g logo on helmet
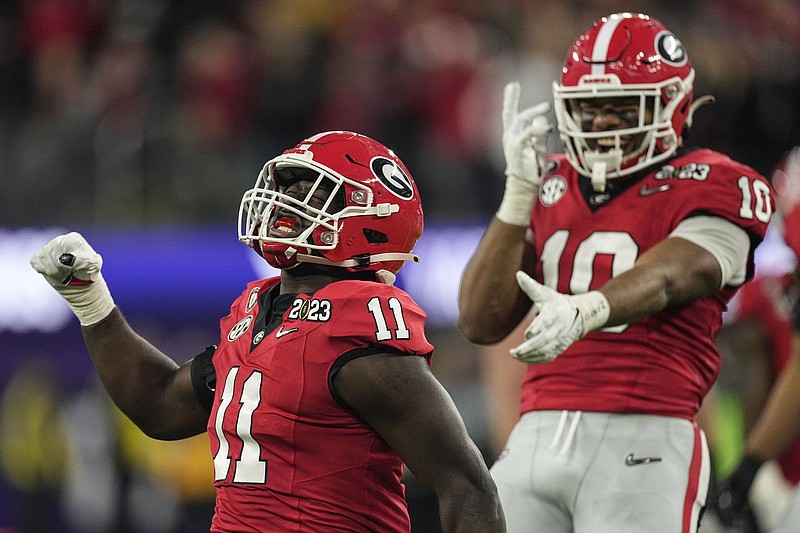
<point x="392" y="177"/>
<point x="670" y="49"/>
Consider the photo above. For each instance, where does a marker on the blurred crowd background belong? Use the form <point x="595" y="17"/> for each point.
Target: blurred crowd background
<point x="149" y="114"/>
<point x="150" y="111"/>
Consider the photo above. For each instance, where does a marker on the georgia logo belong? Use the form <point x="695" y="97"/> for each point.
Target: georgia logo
<point x="240" y="328"/>
<point x="670" y="49"/>
<point x="392" y="177"/>
<point x="552" y="190"/>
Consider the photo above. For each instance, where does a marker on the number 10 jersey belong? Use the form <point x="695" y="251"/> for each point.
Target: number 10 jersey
<point x="663" y="364"/>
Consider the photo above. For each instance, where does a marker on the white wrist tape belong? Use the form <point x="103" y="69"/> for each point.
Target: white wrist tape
<point x="517" y="203"/>
<point x="90" y="303"/>
<point x="593" y="310"/>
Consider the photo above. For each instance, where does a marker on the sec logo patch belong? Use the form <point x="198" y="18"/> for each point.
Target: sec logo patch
<point x="552" y="190"/>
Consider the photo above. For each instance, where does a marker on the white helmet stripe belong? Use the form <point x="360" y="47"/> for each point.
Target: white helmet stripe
<point x="317" y="137"/>
<point x="313" y="138"/>
<point x="600" y="50"/>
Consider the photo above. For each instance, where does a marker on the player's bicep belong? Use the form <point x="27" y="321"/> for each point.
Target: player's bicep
<point x="185" y="414"/>
<point x="402" y="400"/>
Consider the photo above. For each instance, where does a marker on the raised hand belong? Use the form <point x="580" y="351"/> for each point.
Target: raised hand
<point x="72" y="267"/>
<point x="525" y="149"/>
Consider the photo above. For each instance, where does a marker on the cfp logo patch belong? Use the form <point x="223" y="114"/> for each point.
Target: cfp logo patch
<point x="252" y="300"/>
<point x="670" y="49"/>
<point x="240" y="328"/>
<point x="552" y="190"/>
<point x="392" y="177"/>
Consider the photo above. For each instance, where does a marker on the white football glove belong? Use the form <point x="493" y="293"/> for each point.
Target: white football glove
<point x="525" y="149"/>
<point x="562" y="319"/>
<point x="72" y="267"/>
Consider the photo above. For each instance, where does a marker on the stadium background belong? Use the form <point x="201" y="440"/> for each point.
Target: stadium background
<point x="141" y="122"/>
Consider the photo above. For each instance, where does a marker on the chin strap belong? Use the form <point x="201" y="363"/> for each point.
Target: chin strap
<point x="383" y="276"/>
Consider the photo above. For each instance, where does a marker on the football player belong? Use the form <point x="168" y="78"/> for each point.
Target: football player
<point x="777" y="429"/>
<point x="320" y="389"/>
<point x="755" y="343"/>
<point x="629" y="247"/>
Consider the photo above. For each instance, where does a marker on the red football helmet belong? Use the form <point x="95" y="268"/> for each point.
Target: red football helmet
<point x="786" y="180"/>
<point x="621" y="56"/>
<point x="376" y="214"/>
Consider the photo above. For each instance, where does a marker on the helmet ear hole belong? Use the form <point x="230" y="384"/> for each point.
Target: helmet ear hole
<point x="375" y="236"/>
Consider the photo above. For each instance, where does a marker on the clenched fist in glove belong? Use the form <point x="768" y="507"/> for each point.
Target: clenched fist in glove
<point x="525" y="147"/>
<point x="561" y="320"/>
<point x="72" y="267"/>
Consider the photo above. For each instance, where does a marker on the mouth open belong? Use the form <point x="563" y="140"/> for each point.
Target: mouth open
<point x="605" y="144"/>
<point x="285" y="226"/>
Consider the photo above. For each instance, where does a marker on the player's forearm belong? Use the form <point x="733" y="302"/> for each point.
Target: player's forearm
<point x="140" y="379"/>
<point x="490" y="301"/>
<point x="672" y="273"/>
<point x="779" y="425"/>
<point x="634" y="295"/>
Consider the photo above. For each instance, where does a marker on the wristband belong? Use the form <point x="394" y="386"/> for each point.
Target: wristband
<point x="593" y="308"/>
<point x="517" y="204"/>
<point x="90" y="303"/>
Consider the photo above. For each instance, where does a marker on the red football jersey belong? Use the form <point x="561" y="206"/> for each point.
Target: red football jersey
<point x="663" y="364"/>
<point x="287" y="456"/>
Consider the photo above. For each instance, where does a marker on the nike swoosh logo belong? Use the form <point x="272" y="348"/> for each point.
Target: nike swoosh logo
<point x="630" y="460"/>
<point x="647" y="191"/>
<point x="281" y="332"/>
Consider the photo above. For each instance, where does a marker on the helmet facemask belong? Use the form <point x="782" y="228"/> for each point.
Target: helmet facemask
<point x="311" y="220"/>
<point x="336" y="199"/>
<point x="654" y="129"/>
<point x="632" y="56"/>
